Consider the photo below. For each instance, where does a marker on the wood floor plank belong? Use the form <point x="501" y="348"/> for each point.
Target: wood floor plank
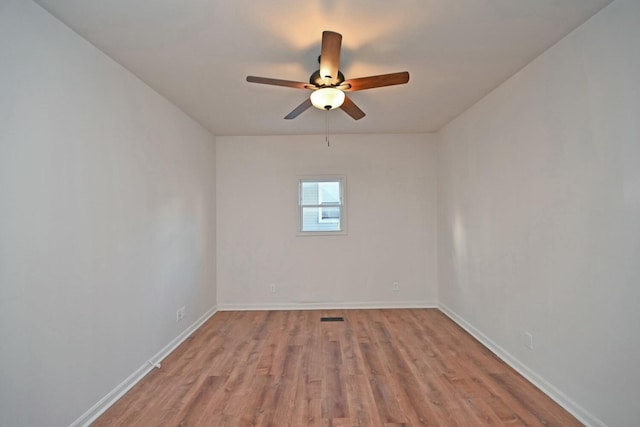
<point x="377" y="368"/>
<point x="205" y="402"/>
<point x="361" y="401"/>
<point x="334" y="399"/>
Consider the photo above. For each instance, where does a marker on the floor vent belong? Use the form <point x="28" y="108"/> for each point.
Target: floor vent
<point x="332" y="319"/>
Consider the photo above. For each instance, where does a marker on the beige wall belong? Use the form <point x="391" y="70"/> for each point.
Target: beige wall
<point x="391" y="222"/>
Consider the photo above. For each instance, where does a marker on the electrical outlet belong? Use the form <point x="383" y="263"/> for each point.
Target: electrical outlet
<point x="272" y="288"/>
<point x="180" y="313"/>
<point x="528" y="340"/>
<point x="395" y="286"/>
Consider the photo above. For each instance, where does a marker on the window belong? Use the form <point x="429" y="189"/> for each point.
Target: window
<point x="321" y="205"/>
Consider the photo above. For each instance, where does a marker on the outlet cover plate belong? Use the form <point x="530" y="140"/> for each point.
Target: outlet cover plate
<point x="528" y="340"/>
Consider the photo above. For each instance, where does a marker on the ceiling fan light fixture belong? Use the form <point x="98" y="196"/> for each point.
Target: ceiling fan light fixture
<point x="327" y="98"/>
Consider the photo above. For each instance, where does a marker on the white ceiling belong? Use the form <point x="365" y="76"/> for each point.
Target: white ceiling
<point x="197" y="53"/>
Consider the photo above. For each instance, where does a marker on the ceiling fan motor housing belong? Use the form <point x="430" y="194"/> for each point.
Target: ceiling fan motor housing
<point x="320" y="81"/>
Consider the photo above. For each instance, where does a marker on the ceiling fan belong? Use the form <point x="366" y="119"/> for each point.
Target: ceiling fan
<point x="329" y="84"/>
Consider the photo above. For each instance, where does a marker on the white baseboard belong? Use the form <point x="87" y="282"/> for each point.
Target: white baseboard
<point x="112" y="397"/>
<point x="328" y="305"/>
<point x="549" y="389"/>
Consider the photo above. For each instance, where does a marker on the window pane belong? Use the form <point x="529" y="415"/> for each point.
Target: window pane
<point x="320" y="192"/>
<point x="309" y="194"/>
<point x="329" y="192"/>
<point x="321" y="219"/>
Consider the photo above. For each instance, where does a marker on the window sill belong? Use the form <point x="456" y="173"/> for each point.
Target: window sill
<point x="321" y="233"/>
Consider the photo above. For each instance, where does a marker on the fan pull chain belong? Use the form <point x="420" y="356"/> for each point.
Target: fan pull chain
<point x="326" y="128"/>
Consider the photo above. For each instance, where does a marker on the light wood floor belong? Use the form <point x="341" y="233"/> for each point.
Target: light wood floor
<point x="378" y="368"/>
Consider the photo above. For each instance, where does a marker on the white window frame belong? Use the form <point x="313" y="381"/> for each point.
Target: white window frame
<point x="343" y="205"/>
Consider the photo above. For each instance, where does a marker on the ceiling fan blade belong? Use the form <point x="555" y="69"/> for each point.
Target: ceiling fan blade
<point x="330" y="56"/>
<point x="352" y="109"/>
<point x="278" y="82"/>
<point x="377" y="81"/>
<point x="299" y="109"/>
